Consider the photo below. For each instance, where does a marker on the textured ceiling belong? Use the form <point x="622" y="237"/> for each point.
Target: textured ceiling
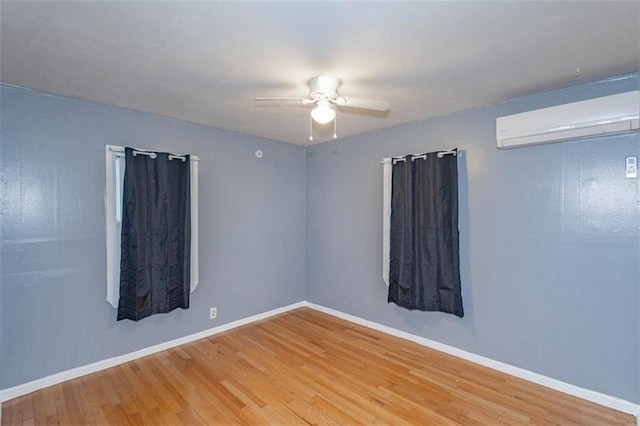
<point x="204" y="62"/>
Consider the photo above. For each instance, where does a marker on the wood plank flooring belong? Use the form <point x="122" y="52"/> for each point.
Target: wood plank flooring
<point x="302" y="367"/>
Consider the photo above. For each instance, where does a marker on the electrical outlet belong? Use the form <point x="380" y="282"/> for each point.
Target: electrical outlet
<point x="213" y="313"/>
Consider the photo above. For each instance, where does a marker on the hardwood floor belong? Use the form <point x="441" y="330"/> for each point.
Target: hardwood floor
<point x="302" y="367"/>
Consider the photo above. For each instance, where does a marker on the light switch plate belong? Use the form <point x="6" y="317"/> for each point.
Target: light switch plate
<point x="631" y="167"/>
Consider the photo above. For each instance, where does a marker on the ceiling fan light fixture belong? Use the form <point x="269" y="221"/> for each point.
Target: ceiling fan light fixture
<point x="323" y="96"/>
<point x="323" y="113"/>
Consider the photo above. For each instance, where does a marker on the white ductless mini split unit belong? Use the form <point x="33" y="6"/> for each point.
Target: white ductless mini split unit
<point x="594" y="117"/>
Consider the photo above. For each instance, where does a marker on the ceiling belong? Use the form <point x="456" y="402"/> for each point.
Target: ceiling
<point x="204" y="62"/>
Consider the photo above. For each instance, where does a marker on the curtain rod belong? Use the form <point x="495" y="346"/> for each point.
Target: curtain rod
<point x="440" y="154"/>
<point x="119" y="150"/>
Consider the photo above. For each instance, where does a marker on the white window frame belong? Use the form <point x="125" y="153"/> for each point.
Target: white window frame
<point x="113" y="200"/>
<point x="387" y="178"/>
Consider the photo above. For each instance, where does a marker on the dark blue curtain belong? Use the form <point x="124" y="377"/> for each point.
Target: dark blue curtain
<point x="156" y="235"/>
<point x="424" y="268"/>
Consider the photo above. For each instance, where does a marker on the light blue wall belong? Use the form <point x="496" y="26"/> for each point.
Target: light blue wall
<point x="549" y="242"/>
<point x="549" y="237"/>
<point x="54" y="313"/>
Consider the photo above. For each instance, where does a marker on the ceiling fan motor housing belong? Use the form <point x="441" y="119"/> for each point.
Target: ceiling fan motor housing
<point x="324" y="86"/>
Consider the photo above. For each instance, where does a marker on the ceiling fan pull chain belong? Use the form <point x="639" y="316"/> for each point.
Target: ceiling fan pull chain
<point x="335" y="126"/>
<point x="310" y="129"/>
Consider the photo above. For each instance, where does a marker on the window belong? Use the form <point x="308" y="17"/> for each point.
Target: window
<point x="421" y="238"/>
<point x="115" y="166"/>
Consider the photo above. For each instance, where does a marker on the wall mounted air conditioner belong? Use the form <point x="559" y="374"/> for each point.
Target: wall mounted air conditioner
<point x="593" y="117"/>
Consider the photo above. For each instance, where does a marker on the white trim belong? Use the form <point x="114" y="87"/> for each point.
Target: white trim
<point x="195" y="258"/>
<point x="111" y="224"/>
<point x="54" y="379"/>
<point x="593" y="396"/>
<point x="387" y="173"/>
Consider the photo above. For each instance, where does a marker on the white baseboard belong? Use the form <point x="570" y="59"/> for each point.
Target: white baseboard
<point x="589" y="395"/>
<point x="54" y="379"/>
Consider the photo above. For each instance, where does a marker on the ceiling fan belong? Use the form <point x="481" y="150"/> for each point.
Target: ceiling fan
<point x="323" y="94"/>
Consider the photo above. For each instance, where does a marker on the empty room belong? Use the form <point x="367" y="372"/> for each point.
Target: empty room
<point x="283" y="213"/>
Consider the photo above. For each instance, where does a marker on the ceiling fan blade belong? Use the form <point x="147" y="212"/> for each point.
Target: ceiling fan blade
<point x="363" y="103"/>
<point x="303" y="101"/>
